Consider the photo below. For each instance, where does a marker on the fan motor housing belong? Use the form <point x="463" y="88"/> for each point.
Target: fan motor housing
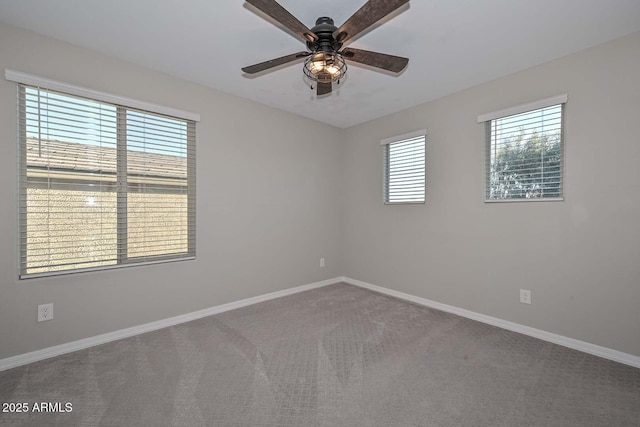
<point x="324" y="29"/>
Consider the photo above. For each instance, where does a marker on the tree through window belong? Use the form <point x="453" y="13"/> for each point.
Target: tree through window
<point x="525" y="155"/>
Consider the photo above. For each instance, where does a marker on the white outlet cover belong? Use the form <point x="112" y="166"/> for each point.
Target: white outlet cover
<point x="525" y="296"/>
<point x="45" y="312"/>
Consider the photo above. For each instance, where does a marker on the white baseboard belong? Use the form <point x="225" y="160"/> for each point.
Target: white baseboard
<point x="596" y="350"/>
<point x="35" y="356"/>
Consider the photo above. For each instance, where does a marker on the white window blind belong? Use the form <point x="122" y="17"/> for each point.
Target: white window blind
<point x="101" y="184"/>
<point x="405" y="168"/>
<point x="524" y="155"/>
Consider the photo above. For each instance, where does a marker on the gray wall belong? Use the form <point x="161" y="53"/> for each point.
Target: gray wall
<point x="580" y="258"/>
<point x="268" y="187"/>
<point x="276" y="192"/>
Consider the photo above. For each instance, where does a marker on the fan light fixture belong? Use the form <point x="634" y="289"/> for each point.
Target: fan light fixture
<point x="325" y="67"/>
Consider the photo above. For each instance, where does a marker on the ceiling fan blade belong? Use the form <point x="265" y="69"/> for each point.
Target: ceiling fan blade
<point x="323" y="88"/>
<point x="256" y="68"/>
<point x="366" y="16"/>
<point x="280" y="14"/>
<point x="375" y="59"/>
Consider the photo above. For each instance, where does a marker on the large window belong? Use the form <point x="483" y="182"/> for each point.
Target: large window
<point x="102" y="184"/>
<point x="524" y="153"/>
<point x="405" y="168"/>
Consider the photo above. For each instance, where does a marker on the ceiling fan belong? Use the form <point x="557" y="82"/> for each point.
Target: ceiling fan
<point x="324" y="61"/>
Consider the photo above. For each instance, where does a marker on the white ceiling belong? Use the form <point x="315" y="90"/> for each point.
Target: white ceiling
<point x="452" y="44"/>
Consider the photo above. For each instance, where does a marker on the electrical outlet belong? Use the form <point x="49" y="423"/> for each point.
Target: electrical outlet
<point x="525" y="296"/>
<point x="45" y="312"/>
<point x="321" y="262"/>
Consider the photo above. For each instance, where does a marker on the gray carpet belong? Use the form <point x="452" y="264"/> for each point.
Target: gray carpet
<point x="334" y="356"/>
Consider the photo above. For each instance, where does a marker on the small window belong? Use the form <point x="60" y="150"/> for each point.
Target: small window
<point x="405" y="168"/>
<point x="524" y="154"/>
<point x="101" y="184"/>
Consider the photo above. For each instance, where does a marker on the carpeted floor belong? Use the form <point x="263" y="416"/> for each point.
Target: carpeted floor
<point x="334" y="356"/>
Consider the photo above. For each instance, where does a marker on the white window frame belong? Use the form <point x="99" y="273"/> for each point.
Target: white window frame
<point x="127" y="103"/>
<point x="524" y="108"/>
<point x="386" y="143"/>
